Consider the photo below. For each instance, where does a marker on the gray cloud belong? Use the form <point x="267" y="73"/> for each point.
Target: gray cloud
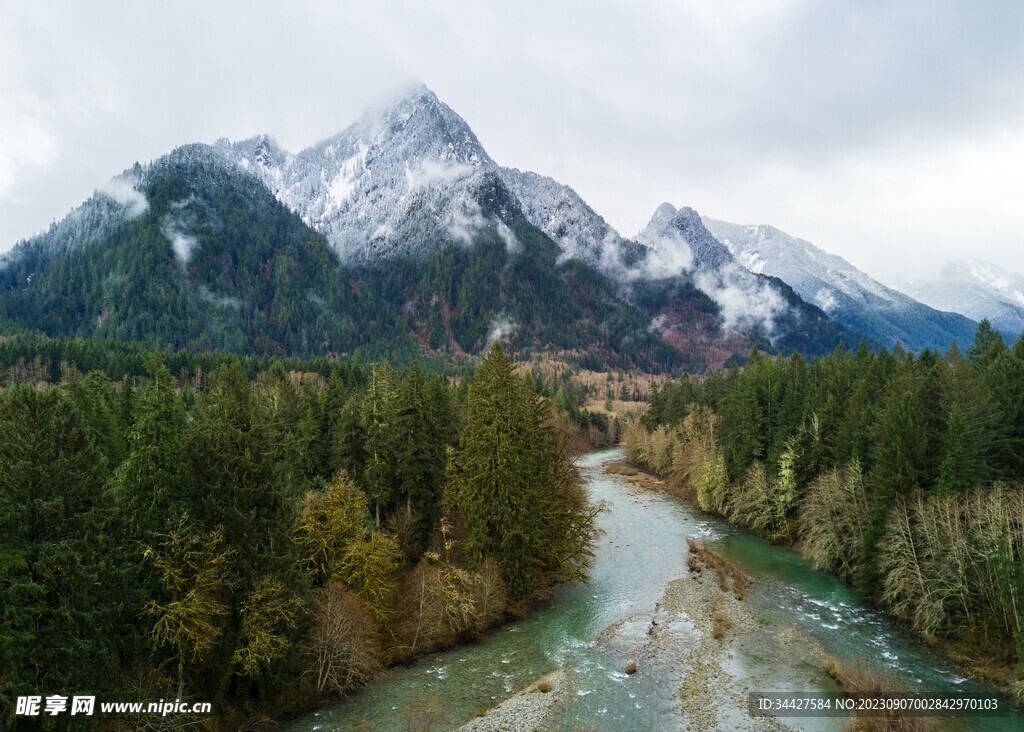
<point x="885" y="132"/>
<point x="175" y="226"/>
<point x="221" y="301"/>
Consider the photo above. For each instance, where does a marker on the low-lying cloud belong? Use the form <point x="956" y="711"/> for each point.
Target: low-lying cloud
<point x="825" y="299"/>
<point x="512" y="243"/>
<point x="123" y="190"/>
<point x="466" y="221"/>
<point x="428" y="172"/>
<point x="668" y="255"/>
<point x="502" y="328"/>
<point x="174" y="227"/>
<point x="221" y="301"/>
<point x="181" y="243"/>
<point x="745" y="301"/>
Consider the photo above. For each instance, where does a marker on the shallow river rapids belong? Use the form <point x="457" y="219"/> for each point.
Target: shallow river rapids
<point x="641" y="549"/>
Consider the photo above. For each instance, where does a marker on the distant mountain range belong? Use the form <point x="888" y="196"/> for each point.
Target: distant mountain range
<point x="844" y="292"/>
<point x="401" y="237"/>
<point x="978" y="290"/>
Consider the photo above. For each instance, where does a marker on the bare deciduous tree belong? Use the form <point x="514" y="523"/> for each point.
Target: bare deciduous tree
<point x="343" y="647"/>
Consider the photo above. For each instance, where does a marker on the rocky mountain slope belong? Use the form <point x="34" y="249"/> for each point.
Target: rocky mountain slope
<point x="400" y="182"/>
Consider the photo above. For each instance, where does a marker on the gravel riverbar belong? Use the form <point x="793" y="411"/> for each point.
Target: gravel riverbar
<point x="526" y="711"/>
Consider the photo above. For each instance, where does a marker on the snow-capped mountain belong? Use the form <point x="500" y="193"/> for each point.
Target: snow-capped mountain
<point x="408" y="179"/>
<point x="840" y="289"/>
<point x="117" y="201"/>
<point x="678" y="244"/>
<point x="978" y="290"/>
<point x="677" y="235"/>
<point x="560" y="212"/>
<point x="230" y="246"/>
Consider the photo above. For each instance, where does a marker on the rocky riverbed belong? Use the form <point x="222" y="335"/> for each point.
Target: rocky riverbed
<point x="696" y="638"/>
<point x="695" y="635"/>
<point x="693" y="641"/>
<point x="527" y="711"/>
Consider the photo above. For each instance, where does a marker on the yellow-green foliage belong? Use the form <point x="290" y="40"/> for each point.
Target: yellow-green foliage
<point x="266" y="613"/>
<point x="442" y="601"/>
<point x="712" y="480"/>
<point x="760" y="503"/>
<point x="634" y="444"/>
<point x="369" y="567"/>
<point x="662" y="442"/>
<point x="191" y="568"/>
<point x="650" y="450"/>
<point x="338" y="542"/>
<point x="833" y="518"/>
<point x="688" y="456"/>
<point x="329" y="521"/>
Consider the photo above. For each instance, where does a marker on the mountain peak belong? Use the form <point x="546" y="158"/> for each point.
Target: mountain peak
<point x="662" y="215"/>
<point x="416" y="125"/>
<point x="379" y="186"/>
<point x="671" y="228"/>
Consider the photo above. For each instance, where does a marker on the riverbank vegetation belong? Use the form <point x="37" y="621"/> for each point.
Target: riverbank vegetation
<point x="900" y="473"/>
<point x="854" y="678"/>
<point x="263" y="539"/>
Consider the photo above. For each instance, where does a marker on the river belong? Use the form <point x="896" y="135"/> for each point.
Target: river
<point x="641" y="549"/>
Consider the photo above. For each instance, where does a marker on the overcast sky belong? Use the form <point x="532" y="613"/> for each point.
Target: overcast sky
<point x="891" y="133"/>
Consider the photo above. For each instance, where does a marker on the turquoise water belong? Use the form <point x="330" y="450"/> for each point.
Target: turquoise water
<point x="641" y="549"/>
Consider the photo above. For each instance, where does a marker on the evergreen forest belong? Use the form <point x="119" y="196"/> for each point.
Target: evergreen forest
<point x="264" y="535"/>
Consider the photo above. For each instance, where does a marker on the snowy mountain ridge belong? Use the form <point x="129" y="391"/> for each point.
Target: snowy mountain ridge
<point x="413" y="179"/>
<point x="846" y="293"/>
<point x="560" y="212"/>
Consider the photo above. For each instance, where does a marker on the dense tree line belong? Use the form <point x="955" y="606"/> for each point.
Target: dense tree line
<point x="261" y="542"/>
<point x="901" y="473"/>
<point x="31" y="357"/>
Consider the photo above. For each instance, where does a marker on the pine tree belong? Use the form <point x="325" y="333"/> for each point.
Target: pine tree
<point x="498" y="483"/>
<point x="1005" y="384"/>
<point x="988" y="343"/>
<point x="970" y="436"/>
<point x="742" y="423"/>
<point x="350" y="440"/>
<point x="379" y="473"/>
<point x="58" y="588"/>
<point x="418" y="471"/>
<point x="333" y="400"/>
<point x="151" y="484"/>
